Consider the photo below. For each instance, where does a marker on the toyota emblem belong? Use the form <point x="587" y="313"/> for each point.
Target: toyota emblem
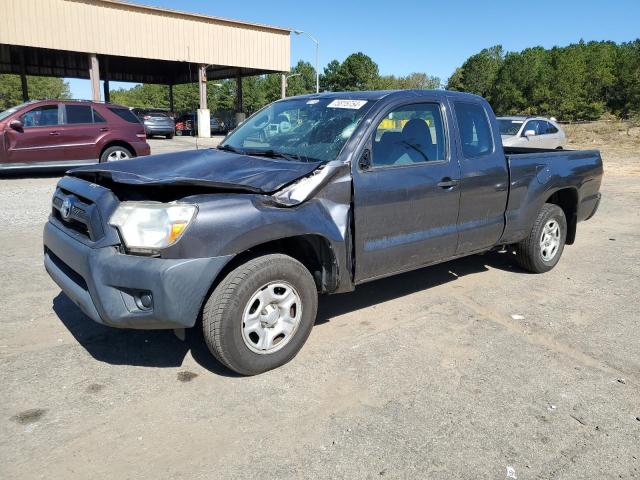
<point x="65" y="209"/>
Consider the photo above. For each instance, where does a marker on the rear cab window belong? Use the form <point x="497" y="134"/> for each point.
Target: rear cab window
<point x="474" y="129"/>
<point x="125" y="114"/>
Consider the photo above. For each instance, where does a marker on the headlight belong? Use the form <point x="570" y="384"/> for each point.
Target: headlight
<point x="148" y="226"/>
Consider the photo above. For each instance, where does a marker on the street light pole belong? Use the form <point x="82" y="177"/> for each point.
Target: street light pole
<point x="314" y="40"/>
<point x="283" y="83"/>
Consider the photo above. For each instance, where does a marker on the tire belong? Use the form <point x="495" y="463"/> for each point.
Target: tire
<point x="179" y="133"/>
<point x="533" y="253"/>
<point x="169" y="137"/>
<point x="116" y="153"/>
<point x="253" y="290"/>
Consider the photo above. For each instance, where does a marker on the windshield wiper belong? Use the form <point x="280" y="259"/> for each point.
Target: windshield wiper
<point x="275" y="154"/>
<point x="228" y="148"/>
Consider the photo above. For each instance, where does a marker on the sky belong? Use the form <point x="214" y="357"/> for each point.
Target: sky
<point x="420" y="36"/>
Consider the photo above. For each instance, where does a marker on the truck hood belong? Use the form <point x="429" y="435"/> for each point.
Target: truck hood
<point x="205" y="168"/>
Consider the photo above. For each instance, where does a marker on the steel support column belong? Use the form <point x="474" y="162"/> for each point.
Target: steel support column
<point x="105" y="73"/>
<point x="94" y="76"/>
<point x="239" y="94"/>
<point x="204" y="116"/>
<point x="23" y="78"/>
<point x="202" y="81"/>
<point x="171" y="97"/>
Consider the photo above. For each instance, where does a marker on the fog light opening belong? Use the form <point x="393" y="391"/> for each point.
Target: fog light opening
<point x="144" y="300"/>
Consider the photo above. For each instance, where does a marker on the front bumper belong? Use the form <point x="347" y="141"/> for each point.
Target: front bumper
<point x="107" y="285"/>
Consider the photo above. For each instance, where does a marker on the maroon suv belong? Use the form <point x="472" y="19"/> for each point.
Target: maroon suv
<point x="59" y="133"/>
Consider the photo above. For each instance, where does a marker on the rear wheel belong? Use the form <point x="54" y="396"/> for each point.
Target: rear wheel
<point x="261" y="314"/>
<point x="115" y="153"/>
<point x="169" y="137"/>
<point x="541" y="250"/>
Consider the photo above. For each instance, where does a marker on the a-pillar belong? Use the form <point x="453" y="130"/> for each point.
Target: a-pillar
<point x="204" y="116"/>
<point x="94" y="76"/>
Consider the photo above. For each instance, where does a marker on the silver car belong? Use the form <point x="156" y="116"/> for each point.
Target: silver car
<point x="531" y="132"/>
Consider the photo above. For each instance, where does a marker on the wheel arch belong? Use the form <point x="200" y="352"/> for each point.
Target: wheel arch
<point x="567" y="200"/>
<point x="117" y="143"/>
<point x="312" y="250"/>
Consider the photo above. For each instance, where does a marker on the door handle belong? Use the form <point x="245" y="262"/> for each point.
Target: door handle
<point x="447" y="183"/>
<point x="54" y="133"/>
<point x="104" y="129"/>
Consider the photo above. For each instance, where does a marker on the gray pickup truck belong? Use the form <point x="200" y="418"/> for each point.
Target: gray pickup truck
<point x="312" y="194"/>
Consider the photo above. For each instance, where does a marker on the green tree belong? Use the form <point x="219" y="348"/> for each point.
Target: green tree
<point x="624" y="96"/>
<point x="579" y="81"/>
<point x="357" y="72"/>
<point x="330" y="79"/>
<point x="38" y="87"/>
<point x="478" y="73"/>
<point x="413" y="81"/>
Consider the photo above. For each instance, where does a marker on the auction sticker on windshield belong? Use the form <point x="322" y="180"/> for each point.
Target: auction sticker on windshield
<point x="350" y="104"/>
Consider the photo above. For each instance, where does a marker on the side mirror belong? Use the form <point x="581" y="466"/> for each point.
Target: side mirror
<point x="16" y="125"/>
<point x="365" y="160"/>
<point x="530" y="133"/>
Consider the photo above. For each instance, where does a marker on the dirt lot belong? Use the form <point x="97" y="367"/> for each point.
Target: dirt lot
<point x="425" y="375"/>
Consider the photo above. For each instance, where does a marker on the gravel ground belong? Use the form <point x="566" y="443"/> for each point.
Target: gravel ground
<point x="470" y="369"/>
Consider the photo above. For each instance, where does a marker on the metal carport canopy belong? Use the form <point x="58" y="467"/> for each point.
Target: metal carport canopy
<point x="134" y="43"/>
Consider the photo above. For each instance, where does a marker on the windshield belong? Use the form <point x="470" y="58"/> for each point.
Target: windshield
<point x="303" y="129"/>
<point x="11" y="111"/>
<point x="509" y="126"/>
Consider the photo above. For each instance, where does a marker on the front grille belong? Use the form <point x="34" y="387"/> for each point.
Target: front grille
<point x="73" y="224"/>
<point x="78" y="215"/>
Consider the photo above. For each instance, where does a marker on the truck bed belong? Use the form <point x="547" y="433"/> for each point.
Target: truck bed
<point x="536" y="173"/>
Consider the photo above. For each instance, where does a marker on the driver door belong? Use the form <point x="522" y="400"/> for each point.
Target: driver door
<point x="406" y="195"/>
<point x="37" y="141"/>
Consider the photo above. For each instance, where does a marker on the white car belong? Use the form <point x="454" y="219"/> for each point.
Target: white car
<point x="531" y="132"/>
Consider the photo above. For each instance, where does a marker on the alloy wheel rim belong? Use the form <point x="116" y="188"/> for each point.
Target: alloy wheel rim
<point x="117" y="155"/>
<point x="271" y="317"/>
<point x="550" y="240"/>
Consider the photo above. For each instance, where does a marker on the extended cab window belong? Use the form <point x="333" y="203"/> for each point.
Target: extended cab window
<point x="44" y="116"/>
<point x="475" y="132"/>
<point x="411" y="134"/>
<point x="78" y="114"/>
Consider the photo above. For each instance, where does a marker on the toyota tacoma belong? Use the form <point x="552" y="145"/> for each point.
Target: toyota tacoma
<point x="312" y="194"/>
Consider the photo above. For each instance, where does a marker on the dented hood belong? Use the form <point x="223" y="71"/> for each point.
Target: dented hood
<point x="206" y="168"/>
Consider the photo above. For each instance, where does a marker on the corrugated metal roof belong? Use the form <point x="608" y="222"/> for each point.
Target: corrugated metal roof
<point x="116" y="28"/>
<point x="196" y="15"/>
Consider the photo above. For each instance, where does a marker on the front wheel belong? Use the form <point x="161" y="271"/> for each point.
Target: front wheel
<point x="261" y="314"/>
<point x="541" y="250"/>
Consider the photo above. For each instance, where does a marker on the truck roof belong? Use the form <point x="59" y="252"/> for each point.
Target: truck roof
<point x="380" y="94"/>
